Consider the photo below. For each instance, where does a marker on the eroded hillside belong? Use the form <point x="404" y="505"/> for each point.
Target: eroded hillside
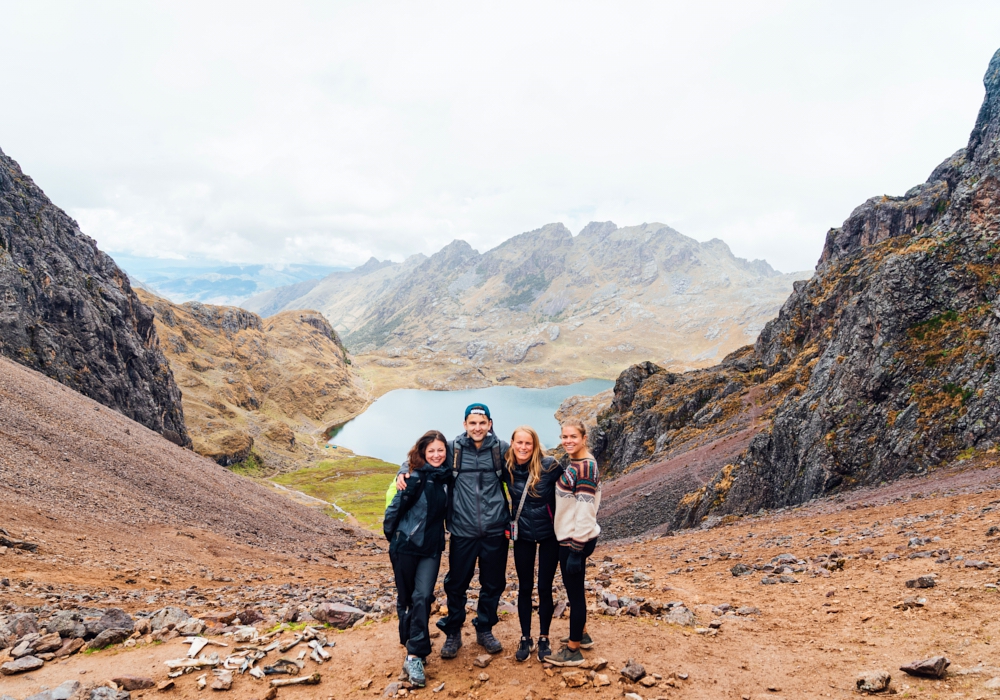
<point x="271" y="385"/>
<point x="882" y="364"/>
<point x="546" y="307"/>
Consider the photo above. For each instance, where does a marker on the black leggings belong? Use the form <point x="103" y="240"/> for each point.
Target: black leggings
<point x="524" y="563"/>
<point x="575" y="591"/>
<point x="415" y="579"/>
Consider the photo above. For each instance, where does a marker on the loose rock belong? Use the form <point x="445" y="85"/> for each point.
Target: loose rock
<point x="633" y="671"/>
<point x="22" y="665"/>
<point x="873" y="682"/>
<point x="64" y="691"/>
<point x="934" y="667"/>
<point x="133" y="682"/>
<point x="107" y="638"/>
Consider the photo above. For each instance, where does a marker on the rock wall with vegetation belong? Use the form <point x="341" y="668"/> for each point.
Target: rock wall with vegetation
<point x="882" y="364"/>
<point x="67" y="311"/>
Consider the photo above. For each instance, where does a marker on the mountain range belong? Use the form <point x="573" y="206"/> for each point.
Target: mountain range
<point x="547" y="301"/>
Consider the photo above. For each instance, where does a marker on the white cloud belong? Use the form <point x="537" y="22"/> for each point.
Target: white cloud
<point x="319" y="132"/>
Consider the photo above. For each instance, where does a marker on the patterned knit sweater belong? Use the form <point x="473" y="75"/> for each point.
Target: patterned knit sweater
<point x="578" y="496"/>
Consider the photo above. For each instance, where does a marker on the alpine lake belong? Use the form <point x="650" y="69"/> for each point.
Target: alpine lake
<point x="353" y="481"/>
<point x="391" y="425"/>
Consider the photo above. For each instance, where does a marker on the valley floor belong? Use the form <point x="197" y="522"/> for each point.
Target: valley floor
<point x="806" y="639"/>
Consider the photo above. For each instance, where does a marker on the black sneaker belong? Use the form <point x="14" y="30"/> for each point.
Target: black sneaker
<point x="585" y="643"/>
<point x="566" y="657"/>
<point x="452" y="643"/>
<point x="524" y="649"/>
<point x="486" y="640"/>
<point x="544" y="649"/>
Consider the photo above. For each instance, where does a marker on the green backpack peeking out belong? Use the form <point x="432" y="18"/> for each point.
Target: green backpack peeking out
<point x="390" y="492"/>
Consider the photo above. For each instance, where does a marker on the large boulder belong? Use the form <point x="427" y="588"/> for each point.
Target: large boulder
<point x="105" y="693"/>
<point x="65" y="691"/>
<point x="68" y="624"/>
<point x="22" y="625"/>
<point x="168" y="618"/>
<point x="112" y="619"/>
<point x="337" y="614"/>
<point x="22" y="665"/>
<point x="107" y="638"/>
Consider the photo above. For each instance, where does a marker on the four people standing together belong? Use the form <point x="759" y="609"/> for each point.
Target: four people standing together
<point x="490" y="494"/>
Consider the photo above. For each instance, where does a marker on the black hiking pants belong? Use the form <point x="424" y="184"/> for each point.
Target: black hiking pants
<point x="463" y="553"/>
<point x="575" y="591"/>
<point x="415" y="579"/>
<point x="524" y="563"/>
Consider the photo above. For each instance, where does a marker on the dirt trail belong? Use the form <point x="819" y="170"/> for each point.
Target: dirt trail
<point x="809" y="639"/>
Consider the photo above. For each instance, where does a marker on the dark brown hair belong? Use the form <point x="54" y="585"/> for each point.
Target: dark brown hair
<point x="416" y="458"/>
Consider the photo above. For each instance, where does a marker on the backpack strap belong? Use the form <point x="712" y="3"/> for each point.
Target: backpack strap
<point x="497" y="461"/>
<point x="456" y="463"/>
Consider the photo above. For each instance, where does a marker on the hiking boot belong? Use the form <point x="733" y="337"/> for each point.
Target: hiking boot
<point x="524" y="649"/>
<point x="487" y="641"/>
<point x="585" y="643"/>
<point x="565" y="657"/>
<point x="544" y="649"/>
<point x="452" y="643"/>
<point x="414" y="668"/>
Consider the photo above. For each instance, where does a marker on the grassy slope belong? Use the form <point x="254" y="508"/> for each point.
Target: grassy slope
<point x="355" y="484"/>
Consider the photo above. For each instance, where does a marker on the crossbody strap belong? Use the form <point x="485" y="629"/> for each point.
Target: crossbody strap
<point x="520" y="506"/>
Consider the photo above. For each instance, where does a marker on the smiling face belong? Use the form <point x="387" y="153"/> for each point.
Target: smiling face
<point x="523" y="446"/>
<point x="436" y="453"/>
<point x="573" y="441"/>
<point x="477" y="426"/>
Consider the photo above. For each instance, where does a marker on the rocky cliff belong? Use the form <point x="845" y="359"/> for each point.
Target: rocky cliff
<point x="271" y="386"/>
<point x="548" y="302"/>
<point x="882" y="364"/>
<point x="69" y="312"/>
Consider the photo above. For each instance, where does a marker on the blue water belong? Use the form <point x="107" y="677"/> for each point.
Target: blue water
<point x="392" y="424"/>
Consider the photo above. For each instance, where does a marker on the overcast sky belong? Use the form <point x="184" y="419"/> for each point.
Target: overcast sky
<point x="330" y="132"/>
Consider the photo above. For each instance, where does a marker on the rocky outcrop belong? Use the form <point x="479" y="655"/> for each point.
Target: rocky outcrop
<point x="69" y="312"/>
<point x="882" y="364"/>
<point x="251" y="385"/>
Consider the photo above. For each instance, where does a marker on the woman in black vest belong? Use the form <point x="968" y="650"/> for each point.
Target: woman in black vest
<point x="531" y="479"/>
<point x="414" y="526"/>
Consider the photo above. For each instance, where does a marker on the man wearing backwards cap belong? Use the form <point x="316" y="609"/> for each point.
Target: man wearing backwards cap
<point x="478" y="518"/>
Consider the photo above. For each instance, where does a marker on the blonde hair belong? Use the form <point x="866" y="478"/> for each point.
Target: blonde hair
<point x="534" y="463"/>
<point x="574" y="423"/>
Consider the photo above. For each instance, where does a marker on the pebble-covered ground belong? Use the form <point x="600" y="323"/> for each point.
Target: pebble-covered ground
<point x="793" y="604"/>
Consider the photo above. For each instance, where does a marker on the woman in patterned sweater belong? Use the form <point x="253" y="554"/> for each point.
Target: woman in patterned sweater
<point x="578" y="496"/>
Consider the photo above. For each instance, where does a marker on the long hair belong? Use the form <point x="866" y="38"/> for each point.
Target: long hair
<point x="534" y="463"/>
<point x="417" y="457"/>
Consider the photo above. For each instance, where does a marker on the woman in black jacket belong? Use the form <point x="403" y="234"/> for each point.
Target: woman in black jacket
<point x="414" y="526"/>
<point x="531" y="479"/>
